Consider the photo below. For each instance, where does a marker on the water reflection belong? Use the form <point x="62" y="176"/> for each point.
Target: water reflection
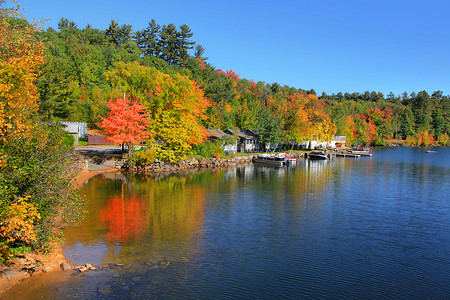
<point x="125" y="217"/>
<point x="132" y="215"/>
<point x="347" y="228"/>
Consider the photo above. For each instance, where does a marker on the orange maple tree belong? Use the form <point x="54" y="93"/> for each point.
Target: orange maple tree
<point x="126" y="123"/>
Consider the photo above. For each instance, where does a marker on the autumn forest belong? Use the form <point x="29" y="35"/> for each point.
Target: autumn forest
<point x="162" y="67"/>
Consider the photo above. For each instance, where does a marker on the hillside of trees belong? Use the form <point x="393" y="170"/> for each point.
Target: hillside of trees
<point x="74" y="85"/>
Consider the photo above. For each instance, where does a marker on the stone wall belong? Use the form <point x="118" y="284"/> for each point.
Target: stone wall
<point x="193" y="163"/>
<point x="198" y="163"/>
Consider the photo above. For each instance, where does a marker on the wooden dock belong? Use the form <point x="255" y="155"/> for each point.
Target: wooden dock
<point x="347" y="154"/>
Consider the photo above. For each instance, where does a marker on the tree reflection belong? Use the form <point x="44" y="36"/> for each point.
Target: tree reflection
<point x="125" y="217"/>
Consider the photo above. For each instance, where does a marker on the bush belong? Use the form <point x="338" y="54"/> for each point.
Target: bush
<point x="208" y="149"/>
<point x="35" y="188"/>
<point x="410" y="140"/>
<point x="68" y="140"/>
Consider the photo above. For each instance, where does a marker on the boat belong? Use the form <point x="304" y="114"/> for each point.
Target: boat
<point x="271" y="159"/>
<point x="291" y="160"/>
<point x="318" y="155"/>
<point x="430" y="151"/>
<point x="363" y="151"/>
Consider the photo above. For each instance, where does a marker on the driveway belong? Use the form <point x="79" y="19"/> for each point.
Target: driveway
<point x="103" y="150"/>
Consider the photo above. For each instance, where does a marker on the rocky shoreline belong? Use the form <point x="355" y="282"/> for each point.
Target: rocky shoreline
<point x="198" y="163"/>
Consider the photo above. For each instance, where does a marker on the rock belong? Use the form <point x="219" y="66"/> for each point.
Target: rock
<point x="82" y="269"/>
<point x="34" y="269"/>
<point x="90" y="267"/>
<point x="65" y="266"/>
<point x="9" y="273"/>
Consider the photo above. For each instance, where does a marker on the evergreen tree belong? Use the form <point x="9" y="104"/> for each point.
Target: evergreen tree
<point x="199" y="52"/>
<point x="406" y="124"/>
<point x="148" y="38"/>
<point x="65" y="24"/>
<point x="438" y="124"/>
<point x="184" y="44"/>
<point x="168" y="44"/>
<point x="269" y="127"/>
<point x="119" y="35"/>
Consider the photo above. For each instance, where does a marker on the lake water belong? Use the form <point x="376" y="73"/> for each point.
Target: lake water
<point x="367" y="228"/>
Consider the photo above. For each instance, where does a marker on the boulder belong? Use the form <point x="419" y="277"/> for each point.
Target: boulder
<point x="65" y="266"/>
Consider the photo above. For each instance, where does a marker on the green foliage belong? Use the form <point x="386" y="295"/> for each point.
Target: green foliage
<point x="209" y="149"/>
<point x="269" y="127"/>
<point x="68" y="140"/>
<point x="35" y="169"/>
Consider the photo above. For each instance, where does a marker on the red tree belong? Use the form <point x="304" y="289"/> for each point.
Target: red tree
<point x="127" y="121"/>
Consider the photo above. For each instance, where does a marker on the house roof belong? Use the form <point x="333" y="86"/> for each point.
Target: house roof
<point x="246" y="134"/>
<point x="216" y="133"/>
<point x="240" y="133"/>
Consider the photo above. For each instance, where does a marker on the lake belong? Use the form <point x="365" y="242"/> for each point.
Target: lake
<point x="364" y="228"/>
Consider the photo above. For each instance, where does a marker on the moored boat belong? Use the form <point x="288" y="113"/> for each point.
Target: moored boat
<point x="271" y="159"/>
<point x="318" y="155"/>
<point x="363" y="151"/>
<point x="291" y="160"/>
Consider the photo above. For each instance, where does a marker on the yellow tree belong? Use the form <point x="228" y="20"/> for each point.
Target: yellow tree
<point x="175" y="103"/>
<point x="21" y="55"/>
<point x="349" y="130"/>
<point x="322" y="127"/>
<point x="35" y="182"/>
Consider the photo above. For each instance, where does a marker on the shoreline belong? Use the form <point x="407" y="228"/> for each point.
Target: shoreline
<point x="56" y="262"/>
<point x="36" y="264"/>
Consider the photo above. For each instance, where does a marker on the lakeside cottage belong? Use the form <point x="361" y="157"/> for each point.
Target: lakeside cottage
<point x="248" y="141"/>
<point x="244" y="141"/>
<point x="230" y="143"/>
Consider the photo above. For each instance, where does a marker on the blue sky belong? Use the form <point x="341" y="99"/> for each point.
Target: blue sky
<point x="325" y="45"/>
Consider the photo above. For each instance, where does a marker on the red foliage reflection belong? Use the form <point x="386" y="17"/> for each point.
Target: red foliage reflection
<point x="126" y="218"/>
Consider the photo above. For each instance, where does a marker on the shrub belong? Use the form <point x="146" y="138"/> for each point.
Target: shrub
<point x="68" y="140"/>
<point x="35" y="188"/>
<point x="208" y="149"/>
<point x="444" y="140"/>
<point x="410" y="140"/>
